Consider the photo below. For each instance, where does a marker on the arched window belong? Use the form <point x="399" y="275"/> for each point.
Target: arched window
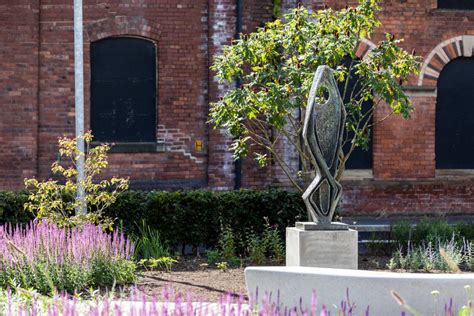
<point x="360" y="158"/>
<point x="123" y="90"/>
<point x="455" y="115"/>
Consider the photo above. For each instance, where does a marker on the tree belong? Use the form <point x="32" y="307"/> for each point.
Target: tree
<point x="276" y="65"/>
<point x="57" y="201"/>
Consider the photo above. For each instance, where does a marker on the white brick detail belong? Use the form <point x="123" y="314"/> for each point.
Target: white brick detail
<point x="177" y="142"/>
<point x="468" y="45"/>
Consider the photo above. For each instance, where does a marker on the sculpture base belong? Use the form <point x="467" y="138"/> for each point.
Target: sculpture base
<point x="321" y="248"/>
<point x="319" y="226"/>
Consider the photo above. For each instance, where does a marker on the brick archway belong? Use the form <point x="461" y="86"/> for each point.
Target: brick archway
<point x="120" y="25"/>
<point x="133" y="26"/>
<point x="459" y="46"/>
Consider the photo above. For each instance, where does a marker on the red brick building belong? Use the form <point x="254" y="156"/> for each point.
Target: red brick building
<point x="167" y="143"/>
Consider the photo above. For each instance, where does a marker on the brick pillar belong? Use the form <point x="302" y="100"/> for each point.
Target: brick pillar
<point x="222" y="18"/>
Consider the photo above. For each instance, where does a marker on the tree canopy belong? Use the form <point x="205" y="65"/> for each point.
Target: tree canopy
<point x="276" y="65"/>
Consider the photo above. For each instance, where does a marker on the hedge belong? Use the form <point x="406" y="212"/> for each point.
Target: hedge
<point x="188" y="217"/>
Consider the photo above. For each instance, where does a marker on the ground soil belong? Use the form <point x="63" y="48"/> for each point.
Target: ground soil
<point x="207" y="283"/>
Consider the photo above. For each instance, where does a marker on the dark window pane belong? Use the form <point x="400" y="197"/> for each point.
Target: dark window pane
<point x="456" y="4"/>
<point x="360" y="158"/>
<point x="123" y="90"/>
<point x="455" y="115"/>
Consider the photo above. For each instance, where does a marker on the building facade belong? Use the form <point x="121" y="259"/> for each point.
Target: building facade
<point x="421" y="165"/>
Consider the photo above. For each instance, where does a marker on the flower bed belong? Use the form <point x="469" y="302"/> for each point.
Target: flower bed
<point x="47" y="258"/>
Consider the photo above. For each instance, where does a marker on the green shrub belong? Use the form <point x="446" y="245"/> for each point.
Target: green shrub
<point x="274" y="243"/>
<point x="257" y="248"/>
<point x="188" y="217"/>
<point x="213" y="257"/>
<point x="148" y="244"/>
<point x="431" y="230"/>
<point x="191" y="217"/>
<point x="11" y="207"/>
<point x="57" y="202"/>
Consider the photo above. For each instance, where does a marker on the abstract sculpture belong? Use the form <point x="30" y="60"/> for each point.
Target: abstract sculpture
<point x="323" y="131"/>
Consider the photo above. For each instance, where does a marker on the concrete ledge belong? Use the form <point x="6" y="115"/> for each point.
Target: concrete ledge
<point x="366" y="288"/>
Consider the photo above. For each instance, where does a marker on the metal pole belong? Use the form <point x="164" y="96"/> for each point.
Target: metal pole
<point x="79" y="98"/>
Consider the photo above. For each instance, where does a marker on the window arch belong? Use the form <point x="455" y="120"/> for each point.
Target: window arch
<point x="123" y="90"/>
<point x="454" y="144"/>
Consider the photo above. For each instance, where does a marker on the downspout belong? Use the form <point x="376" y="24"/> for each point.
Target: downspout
<point x="209" y="82"/>
<point x="238" y="82"/>
<point x="38" y="87"/>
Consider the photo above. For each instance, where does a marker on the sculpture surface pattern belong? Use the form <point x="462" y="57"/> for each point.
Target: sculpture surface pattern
<point x="323" y="131"/>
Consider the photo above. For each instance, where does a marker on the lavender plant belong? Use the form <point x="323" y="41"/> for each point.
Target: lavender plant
<point x="468" y="253"/>
<point x="171" y="303"/>
<point x="47" y="258"/>
<point x="429" y="256"/>
<point x="28" y="302"/>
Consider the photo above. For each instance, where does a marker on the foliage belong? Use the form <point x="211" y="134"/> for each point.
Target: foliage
<point x="57" y="202"/>
<point x="276" y="65"/>
<point x="197" y="212"/>
<point x="213" y="256"/>
<point x="431" y="230"/>
<point x="11" y="207"/>
<point x="148" y="244"/>
<point x="257" y="247"/>
<point x="227" y="243"/>
<point x="269" y="244"/>
<point x="469" y="254"/>
<point x="429" y="257"/>
<point x="223" y="266"/>
<point x="274" y="243"/>
<point x="276" y="10"/>
<point x="165" y="263"/>
<point x="48" y="258"/>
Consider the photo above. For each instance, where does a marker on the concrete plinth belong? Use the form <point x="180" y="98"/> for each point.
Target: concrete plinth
<point x="321" y="248"/>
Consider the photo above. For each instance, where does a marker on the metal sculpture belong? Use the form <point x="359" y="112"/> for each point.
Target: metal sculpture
<point x="322" y="132"/>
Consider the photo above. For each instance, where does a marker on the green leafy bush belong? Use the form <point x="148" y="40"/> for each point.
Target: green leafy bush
<point x="213" y="256"/>
<point x="188" y="217"/>
<point x="57" y="202"/>
<point x="431" y="230"/>
<point x="191" y="217"/>
<point x="11" y="207"/>
<point x="257" y="247"/>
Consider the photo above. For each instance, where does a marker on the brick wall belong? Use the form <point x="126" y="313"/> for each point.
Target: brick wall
<point x="179" y="30"/>
<point x="18" y="92"/>
<point x="404" y="170"/>
<point x="37" y="96"/>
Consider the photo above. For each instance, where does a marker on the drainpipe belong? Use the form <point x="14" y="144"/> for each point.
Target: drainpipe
<point x="238" y="82"/>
